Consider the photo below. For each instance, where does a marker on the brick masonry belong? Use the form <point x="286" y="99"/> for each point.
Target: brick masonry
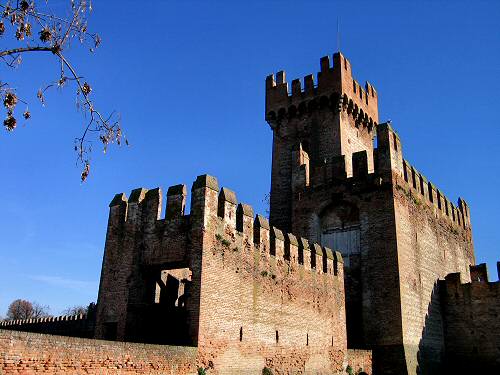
<point x="33" y="353"/>
<point x="471" y="312"/>
<point x="360" y="280"/>
<point x="397" y="232"/>
<point x="245" y="293"/>
<point x="81" y="325"/>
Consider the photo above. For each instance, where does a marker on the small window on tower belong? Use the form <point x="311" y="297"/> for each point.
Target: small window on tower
<point x="395" y="140"/>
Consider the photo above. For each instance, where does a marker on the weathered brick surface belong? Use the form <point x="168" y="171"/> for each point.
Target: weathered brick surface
<point x="360" y="360"/>
<point x="250" y="296"/>
<point x="397" y="232"/>
<point x="247" y="294"/>
<point x="264" y="305"/>
<point x="471" y="314"/>
<point x="310" y="118"/>
<point x="32" y="353"/>
<point x="430" y="246"/>
<point x="81" y="325"/>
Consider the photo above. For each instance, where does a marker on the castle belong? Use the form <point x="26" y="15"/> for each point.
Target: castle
<point x="364" y="264"/>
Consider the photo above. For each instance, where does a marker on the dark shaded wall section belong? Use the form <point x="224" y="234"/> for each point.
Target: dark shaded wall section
<point x="81" y="325"/>
<point x="471" y="315"/>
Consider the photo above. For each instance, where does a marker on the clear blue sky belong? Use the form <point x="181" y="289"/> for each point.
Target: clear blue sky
<point x="188" y="80"/>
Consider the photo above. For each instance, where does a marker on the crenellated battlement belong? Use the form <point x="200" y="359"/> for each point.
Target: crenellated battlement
<point x="336" y="89"/>
<point x="218" y="214"/>
<point x="425" y="190"/>
<point x="50" y="319"/>
<point x="479" y="278"/>
<point x="178" y="263"/>
<point x="79" y="325"/>
<point x="390" y="158"/>
<point x="470" y="313"/>
<point x="389" y="167"/>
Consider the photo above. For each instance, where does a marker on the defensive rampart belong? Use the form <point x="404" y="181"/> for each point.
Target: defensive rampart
<point x="397" y="241"/>
<point x="247" y="294"/>
<point x="80" y="325"/>
<point x="33" y="353"/>
<point x="73" y="325"/>
<point x="334" y="83"/>
<point x="471" y="313"/>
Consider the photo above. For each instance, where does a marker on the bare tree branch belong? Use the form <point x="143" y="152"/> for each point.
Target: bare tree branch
<point x="26" y="49"/>
<point x="55" y="33"/>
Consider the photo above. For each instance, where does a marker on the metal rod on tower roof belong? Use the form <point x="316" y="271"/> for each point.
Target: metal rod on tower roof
<point x="338" y="34"/>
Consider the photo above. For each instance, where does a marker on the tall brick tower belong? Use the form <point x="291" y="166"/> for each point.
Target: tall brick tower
<point x="306" y="136"/>
<point x="397" y="232"/>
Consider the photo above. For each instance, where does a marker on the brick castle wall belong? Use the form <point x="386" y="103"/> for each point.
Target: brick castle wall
<point x="434" y="239"/>
<point x="471" y="313"/>
<point x="74" y="325"/>
<point x="267" y="297"/>
<point x="365" y="202"/>
<point x="398" y="233"/>
<point x="308" y="116"/>
<point x="247" y="294"/>
<point x="33" y="353"/>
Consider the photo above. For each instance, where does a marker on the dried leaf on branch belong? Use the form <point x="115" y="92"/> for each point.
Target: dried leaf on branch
<point x="31" y="26"/>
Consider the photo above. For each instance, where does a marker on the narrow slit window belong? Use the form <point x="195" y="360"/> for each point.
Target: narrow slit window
<point x="241" y="333"/>
<point x="307" y="339"/>
<point x="277" y="337"/>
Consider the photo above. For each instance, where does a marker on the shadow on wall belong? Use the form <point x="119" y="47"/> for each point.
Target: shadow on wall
<point x="430" y="353"/>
